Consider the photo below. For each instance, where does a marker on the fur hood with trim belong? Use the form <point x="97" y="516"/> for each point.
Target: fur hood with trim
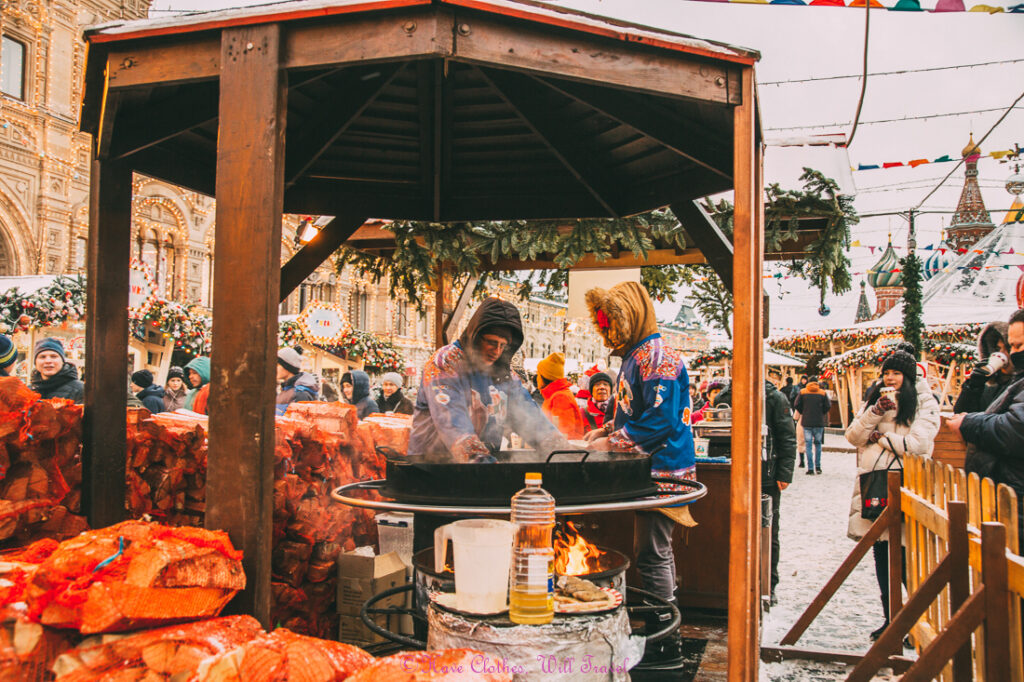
<point x="624" y="315"/>
<point x="990" y="335"/>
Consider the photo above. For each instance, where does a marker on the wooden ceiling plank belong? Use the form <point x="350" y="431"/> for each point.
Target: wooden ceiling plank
<point x="187" y="170"/>
<point x="166" y="119"/>
<point x="331" y="121"/>
<point x="558" y="138"/>
<point x="705" y="233"/>
<point x="688" y="139"/>
<point x="487" y="41"/>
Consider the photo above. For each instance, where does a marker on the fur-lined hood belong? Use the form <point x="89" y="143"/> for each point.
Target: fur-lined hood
<point x="990" y="334"/>
<point x="624" y="315"/>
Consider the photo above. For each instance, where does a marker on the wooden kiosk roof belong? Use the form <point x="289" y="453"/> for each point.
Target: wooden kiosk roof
<point x="434" y="110"/>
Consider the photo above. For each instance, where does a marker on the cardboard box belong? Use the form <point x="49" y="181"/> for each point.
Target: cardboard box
<point x="361" y="577"/>
<point x="352" y="630"/>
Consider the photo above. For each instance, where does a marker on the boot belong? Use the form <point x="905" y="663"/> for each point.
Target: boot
<point x="667" y="651"/>
<point x="801" y="460"/>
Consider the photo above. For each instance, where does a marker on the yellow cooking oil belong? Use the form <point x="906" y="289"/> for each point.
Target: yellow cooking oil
<point x="531" y="582"/>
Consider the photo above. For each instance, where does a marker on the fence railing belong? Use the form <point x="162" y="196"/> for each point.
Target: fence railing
<point x="928" y="487"/>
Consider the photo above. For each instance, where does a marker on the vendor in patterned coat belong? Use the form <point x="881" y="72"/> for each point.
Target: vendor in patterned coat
<point x="652" y="415"/>
<point x="469" y="393"/>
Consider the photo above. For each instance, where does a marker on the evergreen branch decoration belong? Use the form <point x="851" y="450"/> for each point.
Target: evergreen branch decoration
<point x="421" y="248"/>
<point x="825" y="264"/>
<point x="913" y="326"/>
<point x="712" y="301"/>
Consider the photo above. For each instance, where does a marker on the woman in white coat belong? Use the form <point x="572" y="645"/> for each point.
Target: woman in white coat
<point x="883" y="432"/>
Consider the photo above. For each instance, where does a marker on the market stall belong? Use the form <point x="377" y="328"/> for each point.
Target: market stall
<point x="227" y="104"/>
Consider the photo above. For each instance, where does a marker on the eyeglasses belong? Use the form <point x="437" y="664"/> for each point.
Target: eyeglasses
<point x="495" y="343"/>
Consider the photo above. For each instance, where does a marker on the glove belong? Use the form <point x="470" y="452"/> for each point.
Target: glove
<point x="979" y="375"/>
<point x="875" y="435"/>
<point x="883" y="405"/>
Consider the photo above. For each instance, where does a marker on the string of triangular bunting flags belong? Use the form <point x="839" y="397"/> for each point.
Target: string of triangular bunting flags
<point x="945" y="158"/>
<point x="932" y="247"/>
<point x="872" y="271"/>
<point x="899" y="6"/>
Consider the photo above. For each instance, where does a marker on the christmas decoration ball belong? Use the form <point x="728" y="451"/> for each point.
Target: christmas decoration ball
<point x="1015" y="184"/>
<point x="824" y="310"/>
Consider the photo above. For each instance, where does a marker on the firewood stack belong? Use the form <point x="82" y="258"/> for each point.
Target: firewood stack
<point x="166" y="473"/>
<point x="40" y="466"/>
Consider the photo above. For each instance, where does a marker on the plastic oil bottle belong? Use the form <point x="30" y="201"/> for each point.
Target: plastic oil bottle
<point x="531" y="584"/>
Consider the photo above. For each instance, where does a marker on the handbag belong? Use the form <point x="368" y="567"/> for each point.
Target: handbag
<point x="874" y="488"/>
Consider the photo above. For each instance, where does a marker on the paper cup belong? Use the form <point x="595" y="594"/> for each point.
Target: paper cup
<point x="996" y="362"/>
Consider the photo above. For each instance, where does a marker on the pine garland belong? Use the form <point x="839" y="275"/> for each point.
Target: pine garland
<point x="913" y="326"/>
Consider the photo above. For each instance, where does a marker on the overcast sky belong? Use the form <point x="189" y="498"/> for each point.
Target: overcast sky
<point x="813" y="42"/>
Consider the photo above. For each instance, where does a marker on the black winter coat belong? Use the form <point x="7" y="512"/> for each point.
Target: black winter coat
<point x="976" y="397"/>
<point x="63" y="384"/>
<point x="397" y="403"/>
<point x="995" y="439"/>
<point x="781" y="443"/>
<point x="152" y="398"/>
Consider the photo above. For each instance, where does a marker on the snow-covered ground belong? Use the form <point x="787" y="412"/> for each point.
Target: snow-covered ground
<point x="814" y="543"/>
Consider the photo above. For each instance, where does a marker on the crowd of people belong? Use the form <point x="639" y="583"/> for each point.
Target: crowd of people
<point x="470" y="400"/>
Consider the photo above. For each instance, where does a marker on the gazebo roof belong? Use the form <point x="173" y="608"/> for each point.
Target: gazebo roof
<point x="436" y="110"/>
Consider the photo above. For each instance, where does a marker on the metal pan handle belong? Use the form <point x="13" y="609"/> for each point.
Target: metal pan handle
<point x="586" y="453"/>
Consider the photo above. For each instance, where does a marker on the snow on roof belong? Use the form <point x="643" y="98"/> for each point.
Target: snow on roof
<point x="538" y="12"/>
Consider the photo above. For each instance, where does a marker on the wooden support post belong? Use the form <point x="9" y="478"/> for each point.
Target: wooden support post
<point x="958" y="549"/>
<point x="439" y="316"/>
<point x="247" y="278"/>
<point x="748" y="395"/>
<point x="997" y="600"/>
<point x="104" y="456"/>
<point x="895" y="479"/>
<point x="451" y="323"/>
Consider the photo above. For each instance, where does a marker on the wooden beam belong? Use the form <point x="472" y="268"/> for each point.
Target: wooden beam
<point x="250" y="189"/>
<point x="363" y="40"/>
<point x="519" y="92"/>
<point x="109" y="106"/>
<point x="452" y="322"/>
<point x="748" y="396"/>
<point x="591" y="262"/>
<point x="698" y="143"/>
<point x="311" y="256"/>
<point x="958" y="631"/>
<point x="708" y="237"/>
<point x="487" y="41"/>
<point x="439" y="339"/>
<point x="155" y="63"/>
<point x="104" y="455"/>
<point x="997" y="600"/>
<point x="331" y="120"/>
<point x="165" y="119"/>
<point x="776" y="654"/>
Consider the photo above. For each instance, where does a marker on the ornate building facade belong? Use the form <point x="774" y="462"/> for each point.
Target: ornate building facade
<point x="44" y="183"/>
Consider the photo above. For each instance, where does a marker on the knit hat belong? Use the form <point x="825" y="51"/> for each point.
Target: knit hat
<point x="552" y="367"/>
<point x="393" y="377"/>
<point x="175" y="373"/>
<point x="143" y="378"/>
<point x="907" y="348"/>
<point x="8" y="353"/>
<point x="290" y="359"/>
<point x="902" y="362"/>
<point x="51" y="344"/>
<point x="598" y="378"/>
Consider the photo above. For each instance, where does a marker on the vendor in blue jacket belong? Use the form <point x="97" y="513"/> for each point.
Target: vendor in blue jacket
<point x="469" y="393"/>
<point x="652" y="415"/>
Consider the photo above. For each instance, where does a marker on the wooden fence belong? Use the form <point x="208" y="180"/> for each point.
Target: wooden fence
<point x="928" y="487"/>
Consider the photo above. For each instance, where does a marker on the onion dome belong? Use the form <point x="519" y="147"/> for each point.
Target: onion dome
<point x="971" y="148"/>
<point x="941" y="258"/>
<point x="881" y="273"/>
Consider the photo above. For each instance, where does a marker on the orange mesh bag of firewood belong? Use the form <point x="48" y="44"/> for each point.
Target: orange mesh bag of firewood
<point x="28" y="650"/>
<point x="135" y="574"/>
<point x="447" y="665"/>
<point x="283" y="655"/>
<point x="160" y="654"/>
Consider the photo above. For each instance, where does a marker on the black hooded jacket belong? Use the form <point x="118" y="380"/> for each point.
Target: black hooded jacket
<point x="980" y="390"/>
<point x="63" y="384"/>
<point x="397" y="403"/>
<point x="781" y="443"/>
<point x="361" y="393"/>
<point x="462" y="408"/>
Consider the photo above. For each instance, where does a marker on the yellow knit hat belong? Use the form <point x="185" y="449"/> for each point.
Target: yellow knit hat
<point x="552" y="367"/>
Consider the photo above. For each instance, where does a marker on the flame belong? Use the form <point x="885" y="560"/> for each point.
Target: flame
<point x="574" y="555"/>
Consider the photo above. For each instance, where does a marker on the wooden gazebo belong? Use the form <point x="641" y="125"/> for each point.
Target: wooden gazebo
<point x="431" y="110"/>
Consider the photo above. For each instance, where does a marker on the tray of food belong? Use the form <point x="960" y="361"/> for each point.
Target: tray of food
<point x="579" y="596"/>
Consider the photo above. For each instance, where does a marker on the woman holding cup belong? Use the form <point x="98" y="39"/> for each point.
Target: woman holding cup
<point x="989" y="377"/>
<point x="896" y="419"/>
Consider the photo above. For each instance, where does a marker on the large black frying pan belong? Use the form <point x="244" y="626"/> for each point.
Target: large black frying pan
<point x="571" y="476"/>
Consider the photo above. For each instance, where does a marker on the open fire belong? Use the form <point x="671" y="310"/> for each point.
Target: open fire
<point x="574" y="555"/>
